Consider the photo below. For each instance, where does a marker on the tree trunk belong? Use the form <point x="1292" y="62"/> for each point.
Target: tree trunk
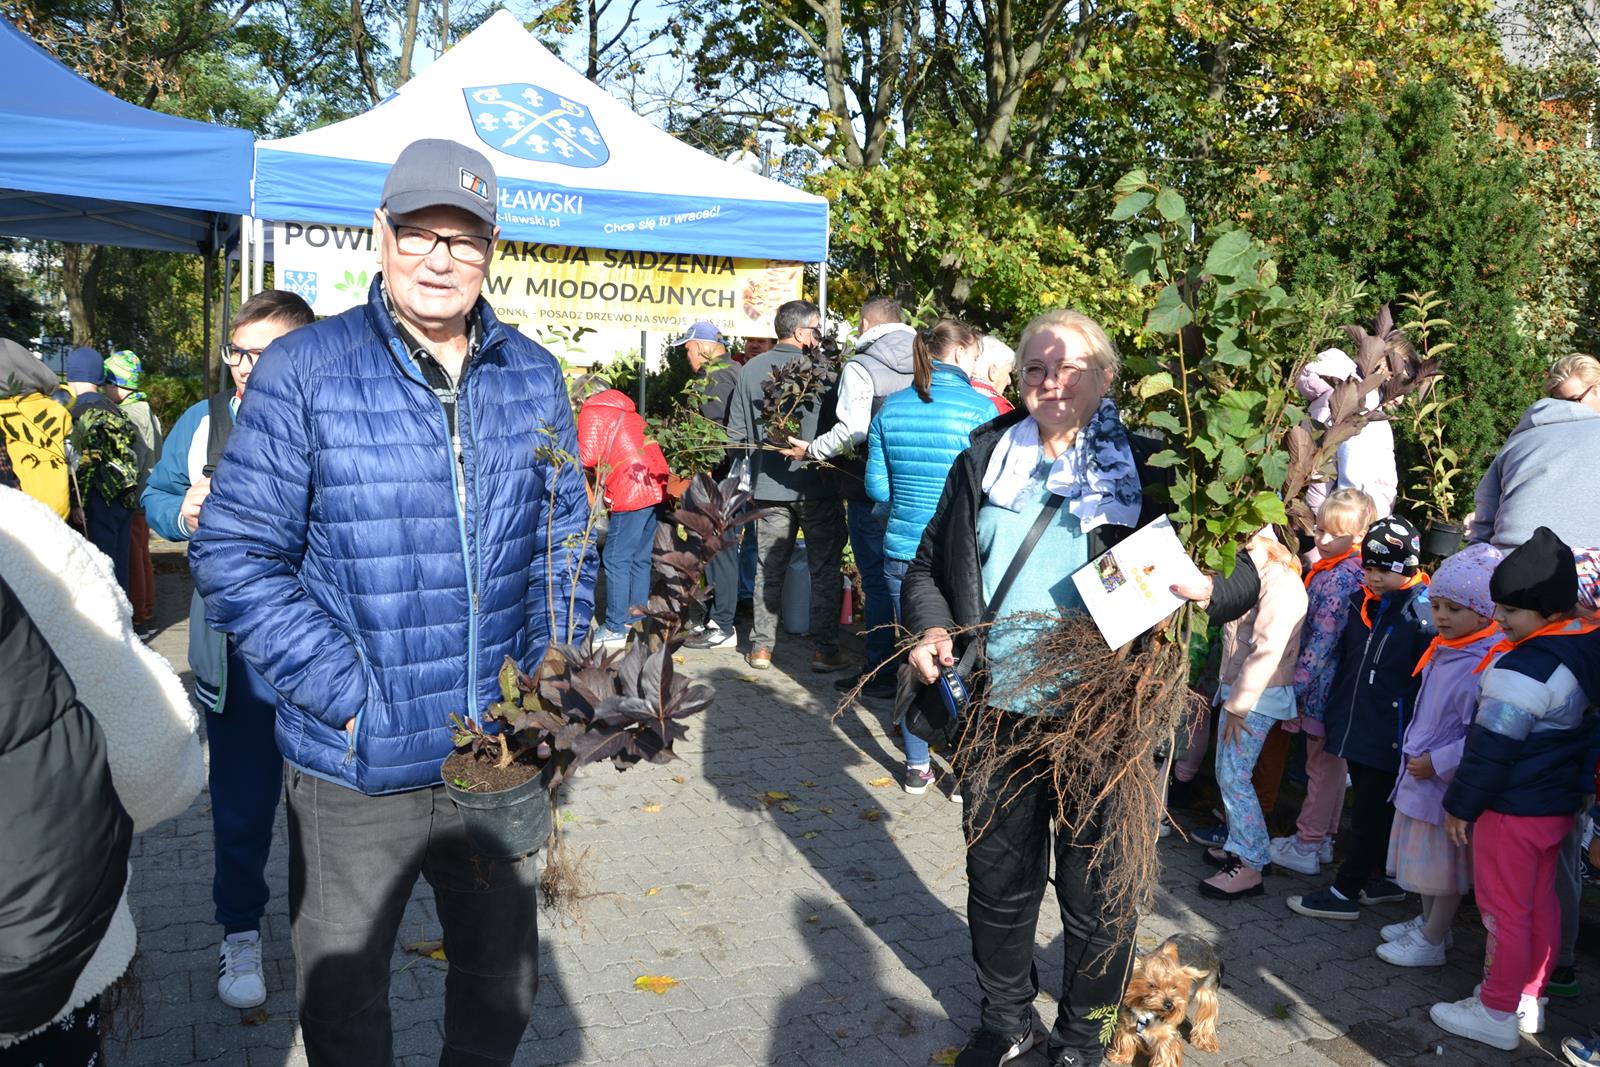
<point x="408" y="42"/>
<point x="80" y="278"/>
<point x="593" y="71"/>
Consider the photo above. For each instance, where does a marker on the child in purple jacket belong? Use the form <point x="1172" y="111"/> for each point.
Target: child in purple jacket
<point x="1421" y="857"/>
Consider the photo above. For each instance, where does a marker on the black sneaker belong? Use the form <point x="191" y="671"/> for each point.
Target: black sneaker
<point x="989" y="1049"/>
<point x="1381" y="891"/>
<point x="880" y="685"/>
<point x="1563" y="982"/>
<point x="713" y="636"/>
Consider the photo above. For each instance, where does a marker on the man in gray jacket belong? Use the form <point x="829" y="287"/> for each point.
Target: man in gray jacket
<point x="1530" y="482"/>
<point x="795" y="498"/>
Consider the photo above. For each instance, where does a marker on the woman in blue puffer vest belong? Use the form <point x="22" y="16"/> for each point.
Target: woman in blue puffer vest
<point x="912" y="444"/>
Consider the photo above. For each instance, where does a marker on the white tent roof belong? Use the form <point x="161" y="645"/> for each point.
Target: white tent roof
<point x="575" y="166"/>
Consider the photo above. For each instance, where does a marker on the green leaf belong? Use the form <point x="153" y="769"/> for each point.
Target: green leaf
<point x="1275" y="467"/>
<point x="1166" y="420"/>
<point x="1226" y="348"/>
<point x="1131" y="205"/>
<point x="1164" y="459"/>
<point x="1234" y="462"/>
<point x="1131" y="182"/>
<point x="1170" y="204"/>
<point x="1269" y="508"/>
<point x="1219" y="493"/>
<point x="1231" y="255"/>
<point x="1155" y="385"/>
<point x="1139" y="263"/>
<point x="1170" y="314"/>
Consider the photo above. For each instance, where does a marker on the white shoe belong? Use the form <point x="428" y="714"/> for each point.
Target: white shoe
<point x="1325" y="852"/>
<point x="239" y="980"/>
<point x="1287" y="854"/>
<point x="1412" y="950"/>
<point x="1530" y="1011"/>
<point x="1470" y="1019"/>
<point x="1395" y="931"/>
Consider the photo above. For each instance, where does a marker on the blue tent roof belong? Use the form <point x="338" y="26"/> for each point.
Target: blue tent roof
<point x="79" y="165"/>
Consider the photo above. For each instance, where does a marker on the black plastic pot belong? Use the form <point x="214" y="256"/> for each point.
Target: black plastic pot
<point x="506" y="824"/>
<point x="1442" y="539"/>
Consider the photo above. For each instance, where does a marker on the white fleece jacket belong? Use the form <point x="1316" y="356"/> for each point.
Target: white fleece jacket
<point x="71" y="593"/>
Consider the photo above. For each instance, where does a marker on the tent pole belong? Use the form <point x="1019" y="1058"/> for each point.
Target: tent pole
<point x="244" y="258"/>
<point x="208" y="277"/>
<point x="644" y="365"/>
<point x="259" y="263"/>
<point x="822" y="291"/>
<point x="227" y="291"/>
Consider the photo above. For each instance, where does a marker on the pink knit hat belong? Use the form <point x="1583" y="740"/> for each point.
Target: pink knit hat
<point x="1464" y="578"/>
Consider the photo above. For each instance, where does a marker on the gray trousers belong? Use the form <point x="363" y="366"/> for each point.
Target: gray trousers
<point x="822" y="522"/>
<point x="1569" y="889"/>
<point x="722" y="573"/>
<point x="353" y="861"/>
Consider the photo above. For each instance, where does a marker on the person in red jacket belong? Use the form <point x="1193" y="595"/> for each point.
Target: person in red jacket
<point x="632" y="474"/>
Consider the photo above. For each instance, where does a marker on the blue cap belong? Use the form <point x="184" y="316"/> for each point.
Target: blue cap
<point x="702" y="331"/>
<point x="86" y="365"/>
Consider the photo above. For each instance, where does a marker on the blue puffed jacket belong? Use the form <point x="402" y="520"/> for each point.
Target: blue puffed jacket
<point x="911" y="447"/>
<point x="337" y="550"/>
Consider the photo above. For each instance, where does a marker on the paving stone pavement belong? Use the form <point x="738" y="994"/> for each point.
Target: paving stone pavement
<point x="823" y="929"/>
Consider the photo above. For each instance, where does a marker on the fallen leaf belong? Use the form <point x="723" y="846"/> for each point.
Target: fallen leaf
<point x="254" y="1017"/>
<point x="871" y="815"/>
<point x="772" y="796"/>
<point x="680" y="779"/>
<point x="809" y="784"/>
<point x="433" y="950"/>
<point x="809" y="834"/>
<point x="813" y="918"/>
<point x="652" y="891"/>
<point x="788" y="807"/>
<point x="879" y="783"/>
<point x="651" y="807"/>
<point x="946" y="1055"/>
<point x="826" y="811"/>
<point x="679" y="660"/>
<point x="654" y="983"/>
<point x="1280" y="1011"/>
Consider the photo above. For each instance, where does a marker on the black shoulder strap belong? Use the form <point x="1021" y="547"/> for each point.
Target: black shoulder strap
<point x="221" y="426"/>
<point x="1024" y="550"/>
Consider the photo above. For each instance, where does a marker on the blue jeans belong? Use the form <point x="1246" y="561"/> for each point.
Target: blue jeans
<point x="1236" y="761"/>
<point x="866" y="540"/>
<point x="246" y="780"/>
<point x="110" y="529"/>
<point x="747" y="563"/>
<point x="627" y="561"/>
<point x="894" y="573"/>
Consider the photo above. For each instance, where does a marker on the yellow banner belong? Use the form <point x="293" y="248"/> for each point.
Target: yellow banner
<point x="542" y="284"/>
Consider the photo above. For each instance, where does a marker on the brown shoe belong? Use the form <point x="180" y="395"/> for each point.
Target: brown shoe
<point x="760" y="658"/>
<point x="832" y="660"/>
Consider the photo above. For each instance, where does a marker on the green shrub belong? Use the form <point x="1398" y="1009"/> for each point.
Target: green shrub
<point x="171" y="396"/>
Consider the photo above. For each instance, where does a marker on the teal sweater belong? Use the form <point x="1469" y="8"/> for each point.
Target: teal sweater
<point x="1043" y="588"/>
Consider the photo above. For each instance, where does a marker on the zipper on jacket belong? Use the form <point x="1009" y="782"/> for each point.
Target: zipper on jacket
<point x="475" y="561"/>
<point x="1355" y="691"/>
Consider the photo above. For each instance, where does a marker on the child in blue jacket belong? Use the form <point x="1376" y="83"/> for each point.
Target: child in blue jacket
<point x="1371" y="703"/>
<point x="1521" y="784"/>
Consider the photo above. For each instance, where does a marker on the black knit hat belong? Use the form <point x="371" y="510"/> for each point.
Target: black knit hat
<point x="1540" y="575"/>
<point x="1393" y="544"/>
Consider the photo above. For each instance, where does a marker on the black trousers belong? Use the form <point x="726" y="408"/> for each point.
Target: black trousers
<point x="353" y="861"/>
<point x="1371" y="818"/>
<point x="1010" y="842"/>
<point x="73" y="1041"/>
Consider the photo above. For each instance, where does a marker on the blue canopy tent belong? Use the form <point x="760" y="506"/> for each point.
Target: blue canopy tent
<point x="81" y="166"/>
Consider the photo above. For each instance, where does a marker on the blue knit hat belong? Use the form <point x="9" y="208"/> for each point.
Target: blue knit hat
<point x="86" y="365"/>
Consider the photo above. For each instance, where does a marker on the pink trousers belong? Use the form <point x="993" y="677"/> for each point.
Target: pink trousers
<point x="1514" y="876"/>
<point x="1324" y="803"/>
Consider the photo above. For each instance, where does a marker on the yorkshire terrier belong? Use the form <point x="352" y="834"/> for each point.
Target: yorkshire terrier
<point x="1176" y="981"/>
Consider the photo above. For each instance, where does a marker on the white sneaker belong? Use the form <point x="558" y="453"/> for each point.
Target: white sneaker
<point x="1530" y="1011"/>
<point x="1470" y="1019"/>
<point x="1325" y="852"/>
<point x="239" y="980"/>
<point x="1286" y="854"/>
<point x="1412" y="950"/>
<point x="1395" y="931"/>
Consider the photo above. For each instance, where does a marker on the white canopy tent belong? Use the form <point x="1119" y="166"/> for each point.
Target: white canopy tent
<point x="575" y="166"/>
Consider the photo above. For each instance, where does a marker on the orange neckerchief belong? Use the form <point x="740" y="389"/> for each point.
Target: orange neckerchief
<point x="1559" y="628"/>
<point x="1439" y="642"/>
<point x="1328" y="564"/>
<point x="1367" y="601"/>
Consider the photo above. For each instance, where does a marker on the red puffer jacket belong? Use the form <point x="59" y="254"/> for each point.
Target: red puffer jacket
<point x="611" y="435"/>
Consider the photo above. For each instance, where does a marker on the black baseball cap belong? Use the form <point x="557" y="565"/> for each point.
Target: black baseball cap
<point x="438" y="173"/>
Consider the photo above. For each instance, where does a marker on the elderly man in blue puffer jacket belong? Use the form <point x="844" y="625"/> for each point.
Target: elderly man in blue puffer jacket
<point x="385" y="527"/>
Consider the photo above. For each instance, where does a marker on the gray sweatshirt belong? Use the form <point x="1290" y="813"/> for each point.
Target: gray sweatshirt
<point x="1537" y="479"/>
<point x="772" y="476"/>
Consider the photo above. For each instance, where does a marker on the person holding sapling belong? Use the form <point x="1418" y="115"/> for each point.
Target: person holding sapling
<point x="397" y="514"/>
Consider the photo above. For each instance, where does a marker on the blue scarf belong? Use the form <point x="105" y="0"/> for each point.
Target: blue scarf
<point x="1096" y="475"/>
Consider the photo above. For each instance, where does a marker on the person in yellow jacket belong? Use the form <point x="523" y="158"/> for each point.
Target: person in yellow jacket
<point x="34" y="427"/>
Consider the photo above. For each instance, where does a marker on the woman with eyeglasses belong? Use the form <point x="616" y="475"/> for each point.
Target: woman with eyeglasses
<point x="912" y="443"/>
<point x="1536" y="478"/>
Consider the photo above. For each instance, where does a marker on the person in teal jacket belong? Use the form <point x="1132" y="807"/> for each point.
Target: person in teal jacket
<point x="246" y="771"/>
<point x="912" y="444"/>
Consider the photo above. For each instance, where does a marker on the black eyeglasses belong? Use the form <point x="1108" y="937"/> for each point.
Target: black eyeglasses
<point x="469" y="248"/>
<point x="233" y="354"/>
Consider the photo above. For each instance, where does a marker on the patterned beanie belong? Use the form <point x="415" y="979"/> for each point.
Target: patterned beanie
<point x="1588" y="562"/>
<point x="124" y="369"/>
<point x="1464" y="578"/>
<point x="1393" y="544"/>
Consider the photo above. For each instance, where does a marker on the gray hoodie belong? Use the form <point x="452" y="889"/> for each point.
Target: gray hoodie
<point x="21" y="374"/>
<point x="1538" y="479"/>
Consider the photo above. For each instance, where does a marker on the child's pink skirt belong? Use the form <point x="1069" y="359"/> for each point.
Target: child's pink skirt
<point x="1424" y="861"/>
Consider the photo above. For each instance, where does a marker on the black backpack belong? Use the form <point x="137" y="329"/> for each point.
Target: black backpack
<point x="220" y="427"/>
